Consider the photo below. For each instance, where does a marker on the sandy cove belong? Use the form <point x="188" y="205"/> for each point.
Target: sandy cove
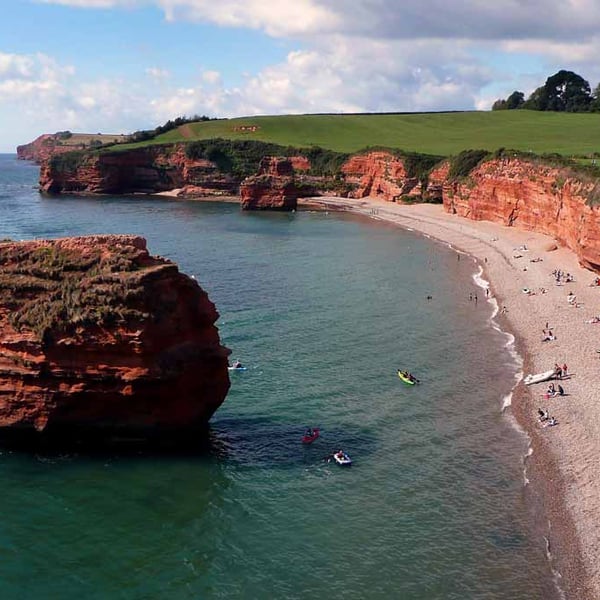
<point x="565" y="464"/>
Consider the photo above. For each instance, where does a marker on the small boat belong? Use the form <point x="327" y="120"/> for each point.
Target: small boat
<point x="404" y="377"/>
<point x="309" y="439"/>
<point x="236" y="368"/>
<point x="342" y="459"/>
<point x="539" y="377"/>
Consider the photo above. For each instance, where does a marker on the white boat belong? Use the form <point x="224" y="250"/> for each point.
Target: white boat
<point x="539" y="377"/>
<point x="342" y="459"/>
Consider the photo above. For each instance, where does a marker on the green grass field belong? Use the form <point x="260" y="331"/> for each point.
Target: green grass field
<point x="444" y="134"/>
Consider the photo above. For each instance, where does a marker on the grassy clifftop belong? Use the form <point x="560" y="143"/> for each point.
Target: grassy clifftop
<point x="431" y="133"/>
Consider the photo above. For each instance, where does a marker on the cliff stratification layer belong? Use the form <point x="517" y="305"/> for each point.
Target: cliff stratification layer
<point x="98" y="338"/>
<point x="533" y="196"/>
<point x="141" y="170"/>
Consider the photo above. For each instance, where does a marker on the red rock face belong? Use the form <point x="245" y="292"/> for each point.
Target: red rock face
<point x="531" y="196"/>
<point x="42" y="148"/>
<point x="97" y="337"/>
<point x="273" y="188"/>
<point x="379" y="175"/>
<point x="146" y="170"/>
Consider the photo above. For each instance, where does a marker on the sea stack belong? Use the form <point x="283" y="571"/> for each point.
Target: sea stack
<point x="272" y="188"/>
<point x="99" y="341"/>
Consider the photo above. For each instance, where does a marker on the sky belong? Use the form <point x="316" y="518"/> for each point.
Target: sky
<point x="116" y="66"/>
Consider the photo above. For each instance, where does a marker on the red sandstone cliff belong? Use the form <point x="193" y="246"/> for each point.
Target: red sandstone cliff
<point x="534" y="196"/>
<point x="49" y="144"/>
<point x="147" y="170"/>
<point x="378" y="174"/>
<point x="42" y="148"/>
<point x="99" y="337"/>
<point x="272" y="188"/>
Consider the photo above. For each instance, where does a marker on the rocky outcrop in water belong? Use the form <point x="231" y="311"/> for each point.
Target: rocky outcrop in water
<point x="99" y="339"/>
<point x="272" y="188"/>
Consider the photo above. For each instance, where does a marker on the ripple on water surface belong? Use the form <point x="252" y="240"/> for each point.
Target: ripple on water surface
<point x="323" y="309"/>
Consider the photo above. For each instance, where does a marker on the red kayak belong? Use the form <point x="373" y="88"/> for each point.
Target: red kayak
<point x="309" y="439"/>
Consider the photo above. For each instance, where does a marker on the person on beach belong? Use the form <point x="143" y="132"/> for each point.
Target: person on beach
<point x="475" y="298"/>
<point x="557" y="371"/>
<point x="542" y="415"/>
<point x="564" y="370"/>
<point x="561" y="391"/>
<point x="572" y="299"/>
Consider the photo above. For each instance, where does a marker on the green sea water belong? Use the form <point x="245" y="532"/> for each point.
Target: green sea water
<point x="322" y="308"/>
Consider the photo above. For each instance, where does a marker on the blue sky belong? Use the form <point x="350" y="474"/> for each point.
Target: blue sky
<point x="115" y="66"/>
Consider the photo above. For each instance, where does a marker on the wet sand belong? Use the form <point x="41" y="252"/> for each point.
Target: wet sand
<point x="564" y="465"/>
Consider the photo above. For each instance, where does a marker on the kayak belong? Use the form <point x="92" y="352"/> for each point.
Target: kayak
<point x="539" y="377"/>
<point x="309" y="439"/>
<point x="404" y="378"/>
<point x="343" y="460"/>
<point x="236" y="368"/>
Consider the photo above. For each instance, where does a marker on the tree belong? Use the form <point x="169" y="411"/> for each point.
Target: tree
<point x="563" y="91"/>
<point x="595" y="103"/>
<point x="515" y="100"/>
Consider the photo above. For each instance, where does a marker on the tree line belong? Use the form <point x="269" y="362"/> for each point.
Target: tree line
<point x="564" y="91"/>
<point x="148" y="134"/>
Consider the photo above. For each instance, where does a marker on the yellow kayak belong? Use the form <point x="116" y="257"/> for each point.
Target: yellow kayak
<point x="406" y="378"/>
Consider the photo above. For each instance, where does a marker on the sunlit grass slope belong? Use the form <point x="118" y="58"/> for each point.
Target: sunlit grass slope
<point x="431" y="133"/>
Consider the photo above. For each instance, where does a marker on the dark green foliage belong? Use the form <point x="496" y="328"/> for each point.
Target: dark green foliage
<point x="323" y="162"/>
<point x="52" y="291"/>
<point x="63" y="135"/>
<point x="515" y="100"/>
<point x="565" y="91"/>
<point x="240" y="158"/>
<point x="462" y="164"/>
<point x="419" y="165"/>
<point x="148" y="134"/>
<point x="67" y="162"/>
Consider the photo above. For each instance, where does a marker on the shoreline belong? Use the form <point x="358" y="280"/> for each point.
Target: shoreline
<point x="564" y="495"/>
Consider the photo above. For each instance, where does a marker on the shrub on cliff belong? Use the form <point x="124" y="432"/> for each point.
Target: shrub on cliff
<point x="241" y="158"/>
<point x="68" y="161"/>
<point x="51" y="290"/>
<point x="464" y="162"/>
<point x="324" y="162"/>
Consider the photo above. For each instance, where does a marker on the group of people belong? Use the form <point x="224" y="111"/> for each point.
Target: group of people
<point x="548" y="335"/>
<point x="561" y="277"/>
<point x="552" y="391"/>
<point x="560" y="372"/>
<point x="408" y="375"/>
<point x="545" y="418"/>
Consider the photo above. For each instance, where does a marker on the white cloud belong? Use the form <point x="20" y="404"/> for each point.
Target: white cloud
<point x="367" y="55"/>
<point x="406" y="19"/>
<point x="157" y="73"/>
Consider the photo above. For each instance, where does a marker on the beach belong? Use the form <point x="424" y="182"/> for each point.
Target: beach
<point x="562" y="466"/>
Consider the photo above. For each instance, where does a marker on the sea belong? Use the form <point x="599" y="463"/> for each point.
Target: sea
<point x="322" y="308"/>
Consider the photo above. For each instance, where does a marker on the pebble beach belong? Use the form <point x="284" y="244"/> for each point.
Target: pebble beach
<point x="564" y="460"/>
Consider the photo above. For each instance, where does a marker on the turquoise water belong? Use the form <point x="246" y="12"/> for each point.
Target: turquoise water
<point x="323" y="309"/>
